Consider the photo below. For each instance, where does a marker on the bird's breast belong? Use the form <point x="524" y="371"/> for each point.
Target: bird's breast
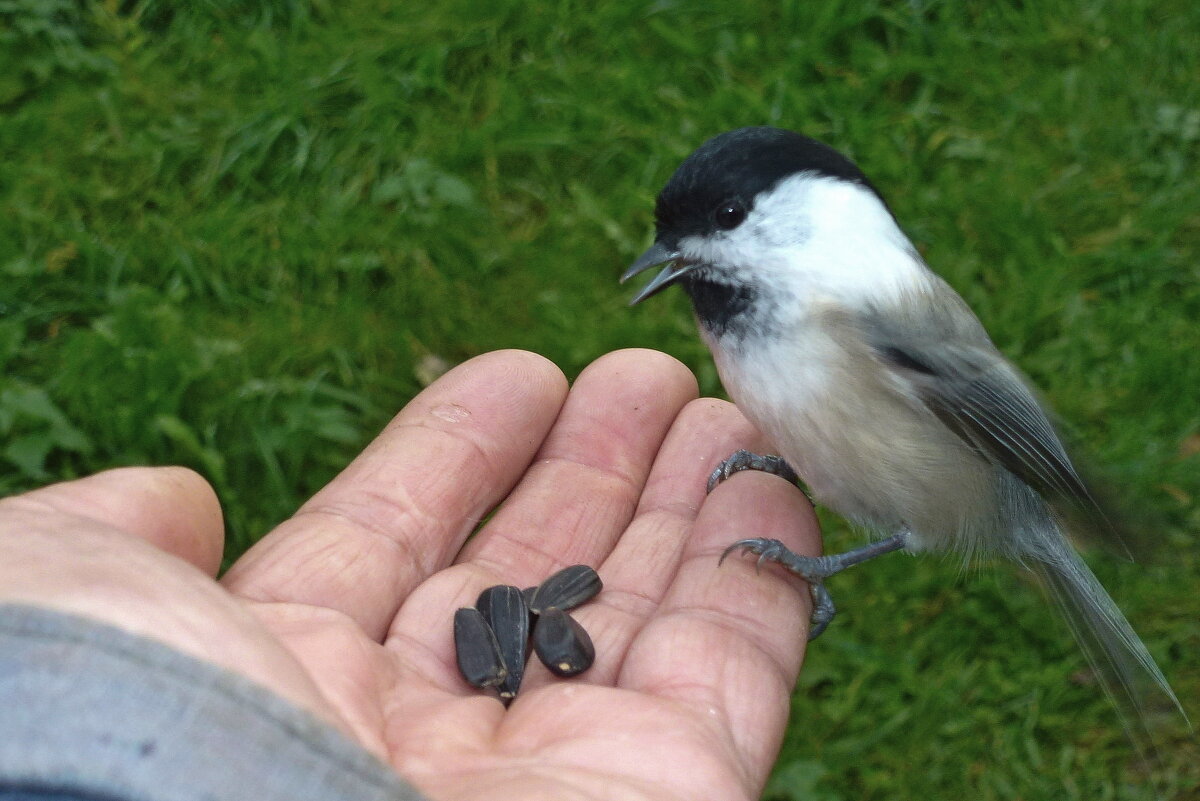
<point x="863" y="446"/>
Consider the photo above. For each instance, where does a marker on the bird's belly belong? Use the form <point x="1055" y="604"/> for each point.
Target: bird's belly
<point x="863" y="448"/>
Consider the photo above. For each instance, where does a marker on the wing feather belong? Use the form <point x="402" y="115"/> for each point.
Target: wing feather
<point x="981" y="399"/>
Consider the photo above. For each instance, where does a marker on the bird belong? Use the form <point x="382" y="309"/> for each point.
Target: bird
<point x="878" y="387"/>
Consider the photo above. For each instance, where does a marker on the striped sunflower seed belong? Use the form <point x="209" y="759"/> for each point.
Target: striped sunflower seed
<point x="476" y="649"/>
<point x="566" y="589"/>
<point x="505" y="610"/>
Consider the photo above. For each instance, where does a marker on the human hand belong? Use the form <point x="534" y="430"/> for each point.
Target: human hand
<point x="345" y="609"/>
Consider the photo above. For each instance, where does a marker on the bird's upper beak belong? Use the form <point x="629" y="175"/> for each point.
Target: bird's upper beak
<point x="658" y="254"/>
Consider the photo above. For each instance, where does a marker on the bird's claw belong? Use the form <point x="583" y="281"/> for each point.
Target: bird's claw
<point x="745" y="460"/>
<point x="767" y="550"/>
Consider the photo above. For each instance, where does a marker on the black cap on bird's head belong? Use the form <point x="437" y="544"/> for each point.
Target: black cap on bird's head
<point x="715" y="187"/>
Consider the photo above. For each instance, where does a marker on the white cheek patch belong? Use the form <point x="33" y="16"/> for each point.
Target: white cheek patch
<point x="823" y="237"/>
<point x="779" y="223"/>
<point x="726" y="252"/>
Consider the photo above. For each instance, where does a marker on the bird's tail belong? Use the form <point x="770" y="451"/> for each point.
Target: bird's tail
<point x="1121" y="662"/>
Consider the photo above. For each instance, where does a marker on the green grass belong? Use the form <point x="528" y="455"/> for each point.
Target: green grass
<point x="229" y="236"/>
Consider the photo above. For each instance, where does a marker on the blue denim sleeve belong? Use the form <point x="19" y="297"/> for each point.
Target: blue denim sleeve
<point x="88" y="711"/>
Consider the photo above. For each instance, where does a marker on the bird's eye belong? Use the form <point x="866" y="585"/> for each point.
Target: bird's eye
<point x="730" y="215"/>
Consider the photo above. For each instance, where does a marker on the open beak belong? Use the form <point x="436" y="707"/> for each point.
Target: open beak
<point x="658" y="254"/>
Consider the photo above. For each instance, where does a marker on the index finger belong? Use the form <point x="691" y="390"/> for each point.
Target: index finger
<point x="728" y="639"/>
<point x="404" y="507"/>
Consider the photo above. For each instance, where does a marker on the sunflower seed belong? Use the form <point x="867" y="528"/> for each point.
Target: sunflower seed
<point x="566" y="589"/>
<point x="478" y="653"/>
<point x="504" y="608"/>
<point x="562" y="644"/>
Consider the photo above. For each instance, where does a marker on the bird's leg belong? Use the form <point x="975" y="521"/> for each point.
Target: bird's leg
<point x="815" y="569"/>
<point x="745" y="460"/>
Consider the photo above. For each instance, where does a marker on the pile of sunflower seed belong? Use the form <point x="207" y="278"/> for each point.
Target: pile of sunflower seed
<point x="492" y="639"/>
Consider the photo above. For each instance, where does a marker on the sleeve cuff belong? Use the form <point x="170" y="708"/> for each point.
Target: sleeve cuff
<point x="94" y="710"/>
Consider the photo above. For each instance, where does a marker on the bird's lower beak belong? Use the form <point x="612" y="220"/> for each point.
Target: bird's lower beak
<point x="657" y="255"/>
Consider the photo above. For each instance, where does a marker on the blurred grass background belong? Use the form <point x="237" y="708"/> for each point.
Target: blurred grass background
<point x="236" y="235"/>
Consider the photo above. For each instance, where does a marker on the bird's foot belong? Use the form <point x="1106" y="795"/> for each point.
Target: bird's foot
<point x="809" y="568"/>
<point x="745" y="460"/>
<point x="815" y="569"/>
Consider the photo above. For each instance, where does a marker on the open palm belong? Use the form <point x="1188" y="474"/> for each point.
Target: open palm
<point x="346" y="608"/>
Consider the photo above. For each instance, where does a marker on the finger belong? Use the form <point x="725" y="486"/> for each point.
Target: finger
<point x="729" y="639"/>
<point x="584" y="485"/>
<point x="571" y="506"/>
<point x="172" y="508"/>
<point x="643" y="564"/>
<point x="403" y="508"/>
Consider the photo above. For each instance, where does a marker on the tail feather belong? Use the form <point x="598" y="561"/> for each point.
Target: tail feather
<point x="1120" y="660"/>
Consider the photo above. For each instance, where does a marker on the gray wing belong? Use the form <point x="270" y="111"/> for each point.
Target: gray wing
<point x="979" y="397"/>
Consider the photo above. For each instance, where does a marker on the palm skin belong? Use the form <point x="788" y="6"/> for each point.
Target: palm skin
<point x="345" y="608"/>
